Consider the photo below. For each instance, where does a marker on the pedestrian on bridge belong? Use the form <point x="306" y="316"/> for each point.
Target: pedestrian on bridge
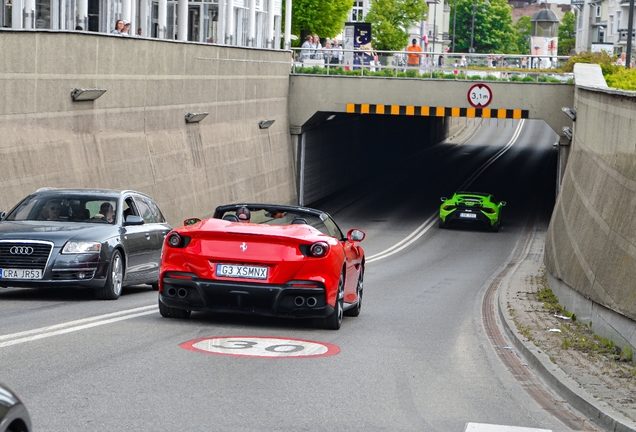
<point x="415" y="56"/>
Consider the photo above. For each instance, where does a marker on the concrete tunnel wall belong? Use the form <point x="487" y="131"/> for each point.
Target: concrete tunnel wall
<point x="135" y="135"/>
<point x="591" y="241"/>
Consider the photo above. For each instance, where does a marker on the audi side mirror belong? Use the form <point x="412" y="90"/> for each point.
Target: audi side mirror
<point x="133" y="220"/>
<point x="2" y="215"/>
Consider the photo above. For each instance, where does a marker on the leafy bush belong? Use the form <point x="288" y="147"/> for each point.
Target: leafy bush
<point x="600" y="58"/>
<point x="450" y="76"/>
<point x="516" y="78"/>
<point x="474" y="77"/>
<point x="412" y="73"/>
<point x="492" y="78"/>
<point x="622" y="78"/>
<point x="528" y="79"/>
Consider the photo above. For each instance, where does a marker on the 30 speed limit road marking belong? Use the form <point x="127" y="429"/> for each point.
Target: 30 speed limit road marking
<point x="261" y="346"/>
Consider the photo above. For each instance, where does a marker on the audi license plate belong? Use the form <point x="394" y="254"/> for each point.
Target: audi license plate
<point x="468" y="215"/>
<point x="240" y="271"/>
<point x="20" y="274"/>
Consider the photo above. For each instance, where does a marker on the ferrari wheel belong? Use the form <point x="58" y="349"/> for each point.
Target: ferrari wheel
<point x="155" y="286"/>
<point x="495" y="227"/>
<point x="169" y="312"/>
<point x="355" y="311"/>
<point x="114" y="280"/>
<point x="441" y="223"/>
<point x="334" y="321"/>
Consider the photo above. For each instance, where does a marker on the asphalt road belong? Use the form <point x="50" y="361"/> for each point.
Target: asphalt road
<point x="416" y="359"/>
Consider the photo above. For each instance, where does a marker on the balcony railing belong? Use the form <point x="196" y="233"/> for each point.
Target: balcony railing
<point x="451" y="66"/>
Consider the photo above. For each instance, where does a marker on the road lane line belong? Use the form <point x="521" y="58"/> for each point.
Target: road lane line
<point x="428" y="224"/>
<point x="72" y="326"/>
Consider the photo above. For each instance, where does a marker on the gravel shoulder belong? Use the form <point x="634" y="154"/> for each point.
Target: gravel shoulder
<point x="595" y="381"/>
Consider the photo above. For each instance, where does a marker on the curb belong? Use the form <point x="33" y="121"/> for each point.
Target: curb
<point x="599" y="412"/>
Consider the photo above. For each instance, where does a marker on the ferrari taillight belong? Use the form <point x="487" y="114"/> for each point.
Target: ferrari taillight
<point x="173" y="239"/>
<point x="449" y="207"/>
<point x="488" y="210"/>
<point x="319" y="249"/>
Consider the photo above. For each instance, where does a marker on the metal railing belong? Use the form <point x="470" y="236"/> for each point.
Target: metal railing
<point x="498" y="67"/>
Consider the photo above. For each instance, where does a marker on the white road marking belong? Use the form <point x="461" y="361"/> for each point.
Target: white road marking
<point x="73" y="326"/>
<point x="483" y="427"/>
<point x="428" y="224"/>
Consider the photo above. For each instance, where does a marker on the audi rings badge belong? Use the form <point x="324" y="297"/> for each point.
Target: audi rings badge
<point x="21" y="250"/>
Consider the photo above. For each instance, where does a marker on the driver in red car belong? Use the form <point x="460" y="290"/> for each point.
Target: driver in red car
<point x="243" y="214"/>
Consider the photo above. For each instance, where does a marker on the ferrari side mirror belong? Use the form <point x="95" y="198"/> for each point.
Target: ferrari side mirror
<point x="356" y="235"/>
<point x="191" y="221"/>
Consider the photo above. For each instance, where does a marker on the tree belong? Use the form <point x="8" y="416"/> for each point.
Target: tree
<point x="494" y="32"/>
<point x="325" y="18"/>
<point x="524" y="29"/>
<point x="390" y="18"/>
<point x="567" y="34"/>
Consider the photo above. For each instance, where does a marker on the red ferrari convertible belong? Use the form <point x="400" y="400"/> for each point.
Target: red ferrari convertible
<point x="263" y="259"/>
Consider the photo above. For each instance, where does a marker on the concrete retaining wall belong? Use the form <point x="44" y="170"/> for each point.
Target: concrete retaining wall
<point x="135" y="135"/>
<point x="591" y="241"/>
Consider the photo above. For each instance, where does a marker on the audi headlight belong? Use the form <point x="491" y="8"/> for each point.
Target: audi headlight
<point x="78" y="247"/>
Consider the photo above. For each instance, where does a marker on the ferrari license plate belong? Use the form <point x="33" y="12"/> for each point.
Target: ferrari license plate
<point x="241" y="271"/>
<point x="468" y="215"/>
<point x="20" y="274"/>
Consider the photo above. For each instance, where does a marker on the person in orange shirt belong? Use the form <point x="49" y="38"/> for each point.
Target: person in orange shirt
<point x="414" y="57"/>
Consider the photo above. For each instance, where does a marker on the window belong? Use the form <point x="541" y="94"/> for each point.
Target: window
<point x="618" y="20"/>
<point x="333" y="228"/>
<point x="144" y="211"/>
<point x="598" y="11"/>
<point x="154" y="209"/>
<point x="611" y="24"/>
<point x="357" y="12"/>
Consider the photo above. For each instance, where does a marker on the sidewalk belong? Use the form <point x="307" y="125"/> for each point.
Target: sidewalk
<point x="602" y="389"/>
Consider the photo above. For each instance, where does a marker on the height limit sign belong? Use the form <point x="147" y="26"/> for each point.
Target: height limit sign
<point x="479" y="95"/>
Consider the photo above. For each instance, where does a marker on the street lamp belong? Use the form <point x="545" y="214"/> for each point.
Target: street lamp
<point x="454" y="22"/>
<point x="472" y="28"/>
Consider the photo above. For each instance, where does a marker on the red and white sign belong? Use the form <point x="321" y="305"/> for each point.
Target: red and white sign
<point x="479" y="95"/>
<point x="261" y="346"/>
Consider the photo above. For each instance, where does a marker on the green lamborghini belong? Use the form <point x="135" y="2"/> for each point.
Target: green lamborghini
<point x="472" y="208"/>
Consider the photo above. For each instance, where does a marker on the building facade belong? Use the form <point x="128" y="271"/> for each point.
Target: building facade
<point x="253" y="23"/>
<point x="601" y="25"/>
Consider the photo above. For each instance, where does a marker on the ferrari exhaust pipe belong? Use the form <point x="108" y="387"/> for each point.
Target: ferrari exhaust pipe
<point x="299" y="301"/>
<point x="311" y="301"/>
<point x="172" y="292"/>
<point x="182" y="293"/>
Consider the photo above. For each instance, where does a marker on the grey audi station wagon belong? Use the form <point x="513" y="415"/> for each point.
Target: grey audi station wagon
<point x="85" y="238"/>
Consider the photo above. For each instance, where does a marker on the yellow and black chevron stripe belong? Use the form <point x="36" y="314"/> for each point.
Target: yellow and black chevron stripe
<point x="428" y="111"/>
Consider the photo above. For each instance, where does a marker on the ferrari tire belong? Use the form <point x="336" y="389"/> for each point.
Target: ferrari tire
<point x="495" y="227"/>
<point x="155" y="286"/>
<point x="355" y="311"/>
<point x="170" y="312"/>
<point x="114" y="280"/>
<point x="334" y="321"/>
<point x="441" y="223"/>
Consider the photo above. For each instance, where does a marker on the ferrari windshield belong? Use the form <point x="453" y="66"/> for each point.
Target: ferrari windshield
<point x="66" y="208"/>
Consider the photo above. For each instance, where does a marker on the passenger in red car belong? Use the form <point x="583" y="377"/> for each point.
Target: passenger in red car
<point x="243" y="214"/>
